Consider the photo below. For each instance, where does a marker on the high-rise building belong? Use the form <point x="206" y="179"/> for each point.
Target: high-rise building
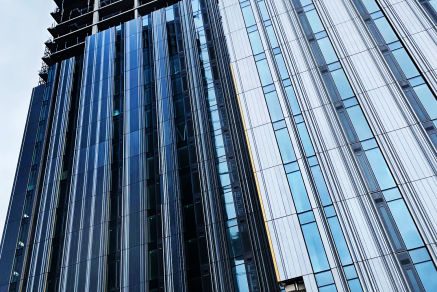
<point x="248" y="146"/>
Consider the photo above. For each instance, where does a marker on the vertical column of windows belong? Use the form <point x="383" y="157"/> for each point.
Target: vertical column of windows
<point x="369" y="156"/>
<point x="167" y="89"/>
<point x="63" y="183"/>
<point x="133" y="199"/>
<point x="115" y="216"/>
<point x="196" y="258"/>
<point x="86" y="221"/>
<point x="155" y="263"/>
<point x="237" y="232"/>
<point x="421" y="98"/>
<point x="300" y="197"/>
<point x="17" y="235"/>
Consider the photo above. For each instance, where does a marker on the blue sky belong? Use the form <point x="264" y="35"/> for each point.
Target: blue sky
<point x="23" y="27"/>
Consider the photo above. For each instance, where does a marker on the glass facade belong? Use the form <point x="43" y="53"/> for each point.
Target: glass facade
<point x="248" y="146"/>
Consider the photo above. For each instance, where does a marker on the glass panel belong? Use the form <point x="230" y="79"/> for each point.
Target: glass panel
<point x="390" y="227"/>
<point x="152" y="230"/>
<point x="264" y="72"/>
<point x="240" y="279"/>
<point x="350" y="272"/>
<point x="321" y="186"/>
<point x="281" y="66"/>
<point x="327" y="50"/>
<point x="234" y="242"/>
<point x="315" y="247"/>
<point x="385" y="30"/>
<point x="153" y="264"/>
<point x="248" y="16"/>
<point x="343" y="87"/>
<point x="285" y="147"/>
<point x="428" y="100"/>
<point x="380" y="169"/>
<point x="272" y="37"/>
<point x="359" y="122"/>
<point x="340" y="242"/>
<point x="314" y="21"/>
<point x="413" y="281"/>
<point x="428" y="275"/>
<point x="262" y="7"/>
<point x="405" y="223"/>
<point x="255" y="41"/>
<point x="228" y="203"/>
<point x="355" y="285"/>
<point x="324" y="278"/>
<point x="419" y="255"/>
<point x="371" y="5"/>
<point x="330" y="288"/>
<point x="298" y="191"/>
<point x="219" y="146"/>
<point x="292" y="100"/>
<point x="305" y="139"/>
<point x="405" y="62"/>
<point x="274" y="106"/>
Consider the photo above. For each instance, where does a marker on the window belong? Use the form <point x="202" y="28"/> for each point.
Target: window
<point x="274" y="106"/>
<point x="405" y="62"/>
<point x="234" y="243"/>
<point x="327" y="50"/>
<point x="314" y="20"/>
<point x="385" y="30"/>
<point x="264" y="72"/>
<point x="298" y="192"/>
<point x="405" y="224"/>
<point x="284" y="144"/>
<point x="343" y="87"/>
<point x="306" y="141"/>
<point x="256" y="43"/>
<point x="359" y="122"/>
<point x="380" y="168"/>
<point x="248" y="14"/>
<point x="315" y="247"/>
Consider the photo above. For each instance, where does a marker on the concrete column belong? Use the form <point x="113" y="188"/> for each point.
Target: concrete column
<point x="136" y="4"/>
<point x="95" y="16"/>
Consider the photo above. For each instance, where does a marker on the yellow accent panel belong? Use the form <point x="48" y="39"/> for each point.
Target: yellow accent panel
<point x="256" y="178"/>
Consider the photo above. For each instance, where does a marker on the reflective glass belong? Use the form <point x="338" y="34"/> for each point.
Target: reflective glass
<point x="321" y="186"/>
<point x="262" y="7"/>
<point x="264" y="72"/>
<point x="324" y="278"/>
<point x="350" y="272"/>
<point x="419" y="255"/>
<point x="255" y="41"/>
<point x="327" y="50"/>
<point x="315" y="247"/>
<point x="305" y="139"/>
<point x="292" y="100"/>
<point x="390" y="227"/>
<point x="405" y="62"/>
<point x="306" y="217"/>
<point x="274" y="106"/>
<point x="228" y="203"/>
<point x="281" y="66"/>
<point x="391" y="194"/>
<point x="359" y="122"/>
<point x="428" y="100"/>
<point x="343" y="87"/>
<point x="405" y="223"/>
<point x="371" y="5"/>
<point x="428" y="275"/>
<point x="330" y="288"/>
<point x="234" y="242"/>
<point x="314" y="21"/>
<point x="380" y="169"/>
<point x="285" y="147"/>
<point x="340" y="242"/>
<point x="219" y="146"/>
<point x="240" y="279"/>
<point x="385" y="30"/>
<point x="355" y="285"/>
<point x="248" y="16"/>
<point x="298" y="192"/>
<point x="272" y="37"/>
